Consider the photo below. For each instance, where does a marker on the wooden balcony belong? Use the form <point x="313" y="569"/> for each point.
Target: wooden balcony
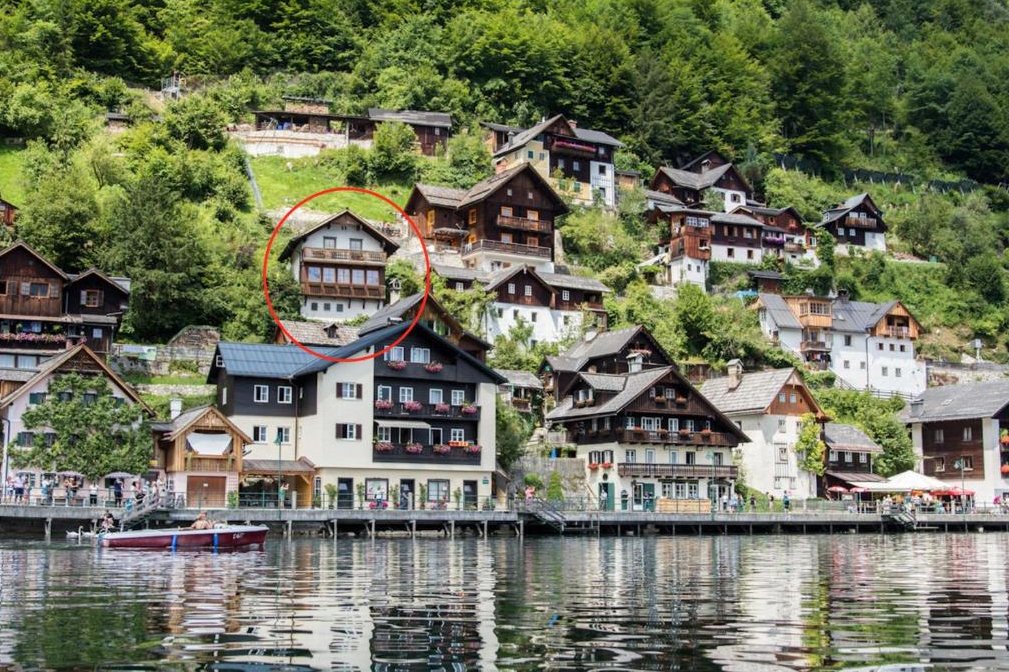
<point x="521" y="404"/>
<point x="523" y="224"/>
<point x="399" y="410"/>
<point x="455" y="456"/>
<point x="859" y="223"/>
<point x="896" y="332"/>
<point x="572" y="146"/>
<point x="332" y="254"/>
<point x="819" y="346"/>
<point x="644" y="470"/>
<point x="324" y="289"/>
<point x="212" y="464"/>
<point x="697" y="437"/>
<point x="573" y="305"/>
<point x="795" y="248"/>
<point x="507" y="248"/>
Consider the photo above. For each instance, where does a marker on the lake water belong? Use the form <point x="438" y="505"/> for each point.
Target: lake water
<point x="656" y="603"/>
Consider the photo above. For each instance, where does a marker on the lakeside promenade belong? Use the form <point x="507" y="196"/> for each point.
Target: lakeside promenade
<point x="537" y="518"/>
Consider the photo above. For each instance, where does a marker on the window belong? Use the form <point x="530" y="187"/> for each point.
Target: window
<point x="532" y="316"/>
<point x="792" y="398"/>
<point x="749" y="254"/>
<point x="527" y="290"/>
<point x="343" y="276"/>
<point x="284" y="394"/>
<point x="848" y="455"/>
<point x="458" y="397"/>
<point x="437" y="489"/>
<point x="420" y="355"/>
<point x="968" y="433"/>
<point x="261" y="394"/>
<point x="371" y="278"/>
<point x="3" y="287"/>
<point x="529" y="195"/>
<point x="688" y="424"/>
<point x="673" y="424"/>
<point x="690" y="457"/>
<point x="350" y="390"/>
<point x="506" y="211"/>
<point x="357" y="276"/>
<point x="405" y="394"/>
<point x="576" y="165"/>
<point x="436" y="396"/>
<point x="329" y="242"/>
<point x="896" y="372"/>
<point x="885" y="371"/>
<point x="606" y="425"/>
<point x="36" y="398"/>
<point x="630" y="456"/>
<point x="385" y="392"/>
<point x="327" y="306"/>
<point x="940" y="463"/>
<point x="863" y="458"/>
<point x="847" y="340"/>
<point x="847" y="364"/>
<point x="861" y="365"/>
<point x="511" y="287"/>
<point x="565" y="295"/>
<point x="628" y="422"/>
<point x="903" y="348"/>
<point x="38" y="289"/>
<point x="891" y="347"/>
<point x="457" y="434"/>
<point x="650" y="456"/>
<point x="832" y="456"/>
<point x="460" y="286"/>
<point x="879" y="346"/>
<point x="91" y="298"/>
<point x="376" y="489"/>
<point x="938" y="436"/>
<point x="96" y="333"/>
<point x="672" y="457"/>
<point x="259" y="434"/>
<point x="284" y="434"/>
<point x="781" y="424"/>
<point x="781" y="397"/>
<point x="396" y="354"/>
<point x="383" y="434"/>
<point x="25" y="438"/>
<point x="347" y="431"/>
<point x="224" y="396"/>
<point x="329" y="274"/>
<point x="718" y="459"/>
<point x="560" y="163"/>
<point x="471" y="216"/>
<point x="966" y="463"/>
<point x="314" y="273"/>
<point x="730" y="252"/>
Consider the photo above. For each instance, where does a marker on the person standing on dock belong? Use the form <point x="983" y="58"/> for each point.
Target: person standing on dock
<point x="786" y="502"/>
<point x="117" y="492"/>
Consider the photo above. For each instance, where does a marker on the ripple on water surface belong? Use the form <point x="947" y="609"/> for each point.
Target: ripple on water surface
<point x="707" y="603"/>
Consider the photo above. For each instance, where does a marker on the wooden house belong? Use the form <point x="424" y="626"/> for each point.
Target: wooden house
<point x="708" y="171"/>
<point x="44" y="310"/>
<point x="506" y="219"/>
<point x="857" y="222"/>
<point x="8" y="212"/>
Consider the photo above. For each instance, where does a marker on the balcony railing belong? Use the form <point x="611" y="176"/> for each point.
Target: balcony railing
<point x="646" y="470"/>
<point x="574" y="305"/>
<point x="813" y="345"/>
<point x="399" y="453"/>
<point x="682" y="436"/>
<point x="400" y="410"/>
<point x="521" y="404"/>
<point x="524" y="224"/>
<point x="342" y="291"/>
<point x="506" y="248"/>
<point x="333" y="254"/>
<point x="797" y="248"/>
<point x="572" y="146"/>
<point x="858" y="222"/>
<point x="774" y="240"/>
<point x="897" y="332"/>
<point x="214" y="464"/>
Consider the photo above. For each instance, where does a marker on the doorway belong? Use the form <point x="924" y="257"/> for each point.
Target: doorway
<point x="644" y="496"/>
<point x="345" y="493"/>
<point x="206" y="491"/>
<point x="469" y="495"/>
<point x="406" y="493"/>
<point x="606" y="498"/>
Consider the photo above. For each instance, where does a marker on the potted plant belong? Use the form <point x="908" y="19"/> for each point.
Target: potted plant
<point x="330" y="494"/>
<point x="433" y="367"/>
<point x="422" y="489"/>
<point x="457" y="496"/>
<point x="473" y="448"/>
<point x="233" y="499"/>
<point x="468" y="409"/>
<point x="396" y="364"/>
<point x="383" y="404"/>
<point x="384" y="446"/>
<point x="360" y="495"/>
<point x="414" y="448"/>
<point x="442" y="449"/>
<point x="706" y="431"/>
<point x="684" y="431"/>
<point x="442" y="408"/>
<point x="1005" y="469"/>
<point x="606" y="465"/>
<point x="593" y="466"/>
<point x="1004" y="437"/>
<point x="412" y="406"/>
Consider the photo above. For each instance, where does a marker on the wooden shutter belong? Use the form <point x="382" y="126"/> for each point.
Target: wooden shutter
<point x="358" y="434"/>
<point x="359" y="394"/>
<point x="338" y="426"/>
<point x="339" y="390"/>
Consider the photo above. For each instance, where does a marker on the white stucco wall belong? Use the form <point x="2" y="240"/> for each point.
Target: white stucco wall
<point x="720" y="252"/>
<point x="605" y="181"/>
<point x="686" y="269"/>
<point x="733" y="198"/>
<point x="760" y="457"/>
<point x="867" y="364"/>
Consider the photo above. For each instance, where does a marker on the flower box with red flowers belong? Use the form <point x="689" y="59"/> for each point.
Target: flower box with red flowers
<point x="384" y="447"/>
<point x="396" y="364"/>
<point x="383" y="404"/>
<point x="606" y="465"/>
<point x="468" y="409"/>
<point x="414" y="448"/>
<point x="684" y="432"/>
<point x="433" y="367"/>
<point x="412" y="406"/>
<point x="442" y="408"/>
<point x="473" y="449"/>
<point x="593" y="466"/>
<point x="442" y="449"/>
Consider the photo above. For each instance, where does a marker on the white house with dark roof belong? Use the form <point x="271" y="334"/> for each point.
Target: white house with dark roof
<point x="850" y="454"/>
<point x="340" y="266"/>
<point x="582" y="156"/>
<point x="869" y="346"/>
<point x="768" y="406"/>
<point x="856" y="223"/>
<point x="710" y="171"/>
<point x="956" y="426"/>
<point x="521" y="389"/>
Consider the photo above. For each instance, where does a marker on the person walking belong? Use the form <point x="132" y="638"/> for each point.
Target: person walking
<point x="753" y="503"/>
<point x="786" y="502"/>
<point x="93" y="494"/>
<point x="117" y="492"/>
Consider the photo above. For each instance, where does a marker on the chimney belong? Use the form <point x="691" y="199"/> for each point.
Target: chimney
<point x="635" y="362"/>
<point x="917" y="405"/>
<point x="511" y="136"/>
<point x="174" y="408"/>
<point x="735" y="373"/>
<point x="705" y="165"/>
<point x="573" y="123"/>
<point x="842" y="295"/>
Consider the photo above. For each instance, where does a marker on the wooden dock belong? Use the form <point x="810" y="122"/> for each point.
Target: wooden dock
<point x="370" y="523"/>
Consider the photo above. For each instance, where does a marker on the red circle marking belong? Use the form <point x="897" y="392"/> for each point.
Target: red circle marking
<point x="423" y="300"/>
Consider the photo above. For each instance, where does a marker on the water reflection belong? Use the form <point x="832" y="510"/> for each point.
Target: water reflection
<point x="707" y="603"/>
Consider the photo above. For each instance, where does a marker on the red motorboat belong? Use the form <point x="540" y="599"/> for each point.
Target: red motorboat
<point x="224" y="537"/>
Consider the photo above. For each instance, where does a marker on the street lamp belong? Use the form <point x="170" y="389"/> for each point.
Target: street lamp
<point x="960" y="464"/>
<point x="711" y="481"/>
<point x="280" y="503"/>
<point x="6" y="440"/>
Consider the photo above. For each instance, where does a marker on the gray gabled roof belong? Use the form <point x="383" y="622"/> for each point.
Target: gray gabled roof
<point x="839" y="211"/>
<point x="857" y="316"/>
<point x="735" y="218"/>
<point x="521" y="378"/>
<point x="308" y="332"/>
<point x="698" y="181"/>
<point x="755" y="392"/>
<point x="627" y="386"/>
<point x="525" y="136"/>
<point x="446" y="197"/>
<point x="459" y="273"/>
<point x="839" y="436"/>
<point x="522" y="137"/>
<point x="573" y="282"/>
<point x="661" y="198"/>
<point x="394" y="311"/>
<point x="412" y="117"/>
<point x="959" y="402"/>
<point x="485" y="188"/>
<point x="387" y="244"/>
<point x="603" y="344"/>
<point x="778" y="311"/>
<point x="598" y="137"/>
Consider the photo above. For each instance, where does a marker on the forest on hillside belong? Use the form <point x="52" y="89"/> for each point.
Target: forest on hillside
<point x="916" y="85"/>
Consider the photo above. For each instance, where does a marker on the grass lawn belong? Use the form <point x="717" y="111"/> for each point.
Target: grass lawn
<point x="282" y="188"/>
<point x="11" y="187"/>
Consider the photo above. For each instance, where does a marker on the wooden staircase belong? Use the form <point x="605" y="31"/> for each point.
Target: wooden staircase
<point x="906" y="520"/>
<point x="547" y="513"/>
